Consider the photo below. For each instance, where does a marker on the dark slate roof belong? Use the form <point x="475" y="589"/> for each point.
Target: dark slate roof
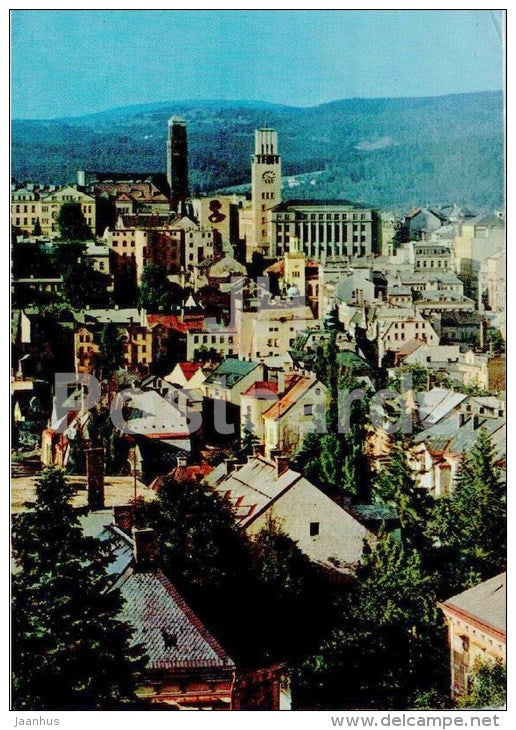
<point x="170" y="633"/>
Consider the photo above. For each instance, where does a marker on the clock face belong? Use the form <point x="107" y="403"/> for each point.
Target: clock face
<point x="268" y="176"/>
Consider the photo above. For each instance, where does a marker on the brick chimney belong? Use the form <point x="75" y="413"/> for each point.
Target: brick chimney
<point x="145" y="550"/>
<point x="258" y="450"/>
<point x="281" y="462"/>
<point x="230" y="465"/>
<point x="124" y="517"/>
<point x="95" y="477"/>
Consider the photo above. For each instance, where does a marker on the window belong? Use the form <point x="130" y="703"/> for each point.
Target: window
<point x="308" y="409"/>
<point x="314" y="529"/>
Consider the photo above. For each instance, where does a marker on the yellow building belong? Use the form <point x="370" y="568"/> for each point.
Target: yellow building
<point x="50" y="204"/>
<point x="295" y="262"/>
<point x="25" y="209"/>
<point x="476" y="621"/>
<point x="132" y="326"/>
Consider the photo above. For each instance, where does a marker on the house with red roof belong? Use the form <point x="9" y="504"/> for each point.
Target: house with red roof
<point x="296" y="412"/>
<point x="186" y="375"/>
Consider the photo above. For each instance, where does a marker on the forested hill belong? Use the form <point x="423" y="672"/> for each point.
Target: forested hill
<point x="386" y="152"/>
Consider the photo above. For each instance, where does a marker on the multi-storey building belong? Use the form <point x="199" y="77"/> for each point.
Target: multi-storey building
<point x="132" y="326"/>
<point x="50" y="205"/>
<point x="266" y="193"/>
<point x="432" y="257"/>
<point x="326" y="229"/>
<point x="476" y="621"/>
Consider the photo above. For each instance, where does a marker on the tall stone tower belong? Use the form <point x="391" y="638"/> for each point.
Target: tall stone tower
<point x="265" y="185"/>
<point x="177" y="160"/>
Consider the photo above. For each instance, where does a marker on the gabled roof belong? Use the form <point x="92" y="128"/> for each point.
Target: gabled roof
<point x="263" y="389"/>
<point x="189" y="368"/>
<point x="191" y="323"/>
<point x="171" y="634"/>
<point x="485" y="603"/>
<point x="299" y="387"/>
<point x="251" y="487"/>
<point x="231" y="371"/>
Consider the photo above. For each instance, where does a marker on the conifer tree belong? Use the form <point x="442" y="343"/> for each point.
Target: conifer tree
<point x="470" y="525"/>
<point x="69" y="649"/>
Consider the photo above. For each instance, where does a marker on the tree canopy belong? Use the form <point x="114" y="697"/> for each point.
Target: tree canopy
<point x="72" y="223"/>
<point x="69" y="649"/>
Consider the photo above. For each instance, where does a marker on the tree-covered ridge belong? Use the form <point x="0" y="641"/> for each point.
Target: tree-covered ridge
<point x="387" y="152"/>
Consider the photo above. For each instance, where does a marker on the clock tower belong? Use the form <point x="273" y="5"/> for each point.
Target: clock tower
<point x="265" y="186"/>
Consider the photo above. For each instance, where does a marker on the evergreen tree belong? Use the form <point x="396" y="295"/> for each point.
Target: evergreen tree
<point x="157" y="294"/>
<point x="389" y="644"/>
<point x="470" y="525"/>
<point x="70" y="651"/>
<point x="396" y="486"/>
<point x="83" y="285"/>
<point x="110" y="357"/>
<point x="336" y="461"/>
<point x="37" y="228"/>
<point x="72" y="223"/>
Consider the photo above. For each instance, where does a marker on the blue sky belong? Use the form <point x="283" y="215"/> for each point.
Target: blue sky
<point x="77" y="62"/>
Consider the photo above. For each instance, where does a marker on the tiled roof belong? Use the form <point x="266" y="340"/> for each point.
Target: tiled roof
<point x="174" y="322"/>
<point x="251" y="488"/>
<point x="171" y="634"/>
<point x="263" y="388"/>
<point x="485" y="602"/>
<point x="189" y="368"/>
<point x="231" y="371"/>
<point x="291" y="397"/>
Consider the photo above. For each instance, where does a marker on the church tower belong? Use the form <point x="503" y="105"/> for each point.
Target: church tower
<point x="177" y="160"/>
<point x="265" y="186"/>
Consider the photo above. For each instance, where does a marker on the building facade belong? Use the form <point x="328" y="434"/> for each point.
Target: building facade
<point x="326" y="229"/>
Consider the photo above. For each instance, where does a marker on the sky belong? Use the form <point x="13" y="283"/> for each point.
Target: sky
<point x="69" y="63"/>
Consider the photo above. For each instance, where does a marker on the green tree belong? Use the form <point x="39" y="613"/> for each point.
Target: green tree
<point x="489" y="687"/>
<point x="69" y="650"/>
<point x="470" y="525"/>
<point x="157" y="294"/>
<point x="389" y="643"/>
<point x="336" y="460"/>
<point x="110" y="357"/>
<point x="419" y="373"/>
<point x="201" y="547"/>
<point x="83" y="285"/>
<point x="36" y="231"/>
<point x="396" y="486"/>
<point x="72" y="223"/>
<point x="248" y="442"/>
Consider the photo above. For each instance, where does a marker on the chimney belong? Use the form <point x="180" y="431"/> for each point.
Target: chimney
<point x="230" y="465"/>
<point x="95" y="477"/>
<point x="258" y="450"/>
<point x="181" y="460"/>
<point x="124" y="517"/>
<point x="145" y="551"/>
<point x="281" y="381"/>
<point x="281" y="462"/>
